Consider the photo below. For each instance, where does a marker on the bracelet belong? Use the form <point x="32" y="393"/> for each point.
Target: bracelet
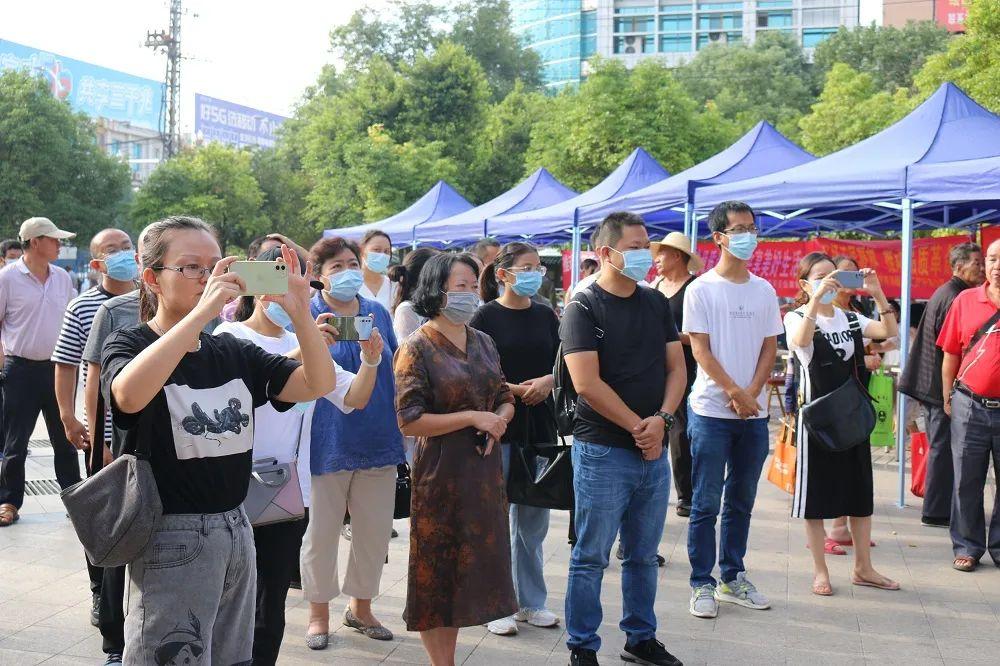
<point x="809" y="317"/>
<point x="884" y="313"/>
<point x="371" y="365"/>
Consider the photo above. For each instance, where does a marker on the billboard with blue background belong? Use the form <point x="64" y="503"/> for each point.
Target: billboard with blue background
<point x="234" y="124"/>
<point x="96" y="91"/>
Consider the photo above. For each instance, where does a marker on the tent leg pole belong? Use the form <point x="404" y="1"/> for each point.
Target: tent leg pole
<point x="575" y="258"/>
<point x="691" y="225"/>
<point x="904" y="343"/>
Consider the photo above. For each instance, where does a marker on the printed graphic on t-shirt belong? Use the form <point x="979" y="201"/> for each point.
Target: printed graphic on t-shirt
<point x="841" y="341"/>
<point x="212" y="422"/>
<point x="741" y="313"/>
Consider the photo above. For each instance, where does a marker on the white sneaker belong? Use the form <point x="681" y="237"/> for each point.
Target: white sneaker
<point x="537" y="617"/>
<point x="703" y="603"/>
<point x="505" y="626"/>
<point x="742" y="592"/>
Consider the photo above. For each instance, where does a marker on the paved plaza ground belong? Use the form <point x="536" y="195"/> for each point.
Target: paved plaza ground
<point x="940" y="617"/>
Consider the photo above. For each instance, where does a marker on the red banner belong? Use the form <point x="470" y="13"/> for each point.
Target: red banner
<point x="988" y="234"/>
<point x="777" y="261"/>
<point x="951" y="14"/>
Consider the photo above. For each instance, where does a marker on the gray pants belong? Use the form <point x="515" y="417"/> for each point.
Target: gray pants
<point x="192" y="595"/>
<point x="940" y="482"/>
<point x="975" y="436"/>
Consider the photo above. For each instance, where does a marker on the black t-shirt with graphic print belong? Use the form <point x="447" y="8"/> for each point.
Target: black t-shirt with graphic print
<point x="199" y="427"/>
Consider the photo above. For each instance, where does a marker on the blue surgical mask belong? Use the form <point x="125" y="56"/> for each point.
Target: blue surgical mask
<point x="460" y="306"/>
<point x="303" y="406"/>
<point x="122" y="266"/>
<point x="377" y="262"/>
<point x="345" y="285"/>
<point x="742" y="245"/>
<point x="277" y="314"/>
<point x="637" y="263"/>
<point x="527" y="283"/>
<point x="826" y="298"/>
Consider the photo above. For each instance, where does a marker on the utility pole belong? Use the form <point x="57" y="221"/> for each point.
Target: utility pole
<point x="169" y="42"/>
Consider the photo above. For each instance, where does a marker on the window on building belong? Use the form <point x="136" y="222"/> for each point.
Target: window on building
<point x="588" y="23"/>
<point x="774" y="4"/>
<point x="635" y="10"/>
<point x="820" y="13"/>
<point x="679" y="23"/>
<point x="720" y="6"/>
<point x="813" y="36"/>
<point x="588" y="46"/>
<point x="635" y="44"/>
<point x="675" y="44"/>
<point x="710" y="38"/>
<point x="675" y="6"/>
<point x="635" y="24"/>
<point x="720" y="21"/>
<point x="774" y="19"/>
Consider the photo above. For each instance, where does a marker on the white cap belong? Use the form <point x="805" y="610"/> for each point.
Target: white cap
<point x="35" y="227"/>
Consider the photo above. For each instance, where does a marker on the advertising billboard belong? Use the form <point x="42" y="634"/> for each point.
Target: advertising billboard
<point x="234" y="124"/>
<point x="97" y="91"/>
<point x="951" y="14"/>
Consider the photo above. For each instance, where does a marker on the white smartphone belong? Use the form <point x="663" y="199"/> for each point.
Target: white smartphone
<point x="262" y="277"/>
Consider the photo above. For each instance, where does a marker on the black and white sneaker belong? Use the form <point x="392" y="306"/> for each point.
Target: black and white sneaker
<point x="113" y="658"/>
<point x="582" y="657"/>
<point x="650" y="652"/>
<point x="95" y="610"/>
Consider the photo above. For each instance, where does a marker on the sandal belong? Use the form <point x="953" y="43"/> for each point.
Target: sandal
<point x="831" y="547"/>
<point x="964" y="563"/>
<point x="884" y="584"/>
<point x="822" y="589"/>
<point x="8" y="515"/>
<point x="375" y="632"/>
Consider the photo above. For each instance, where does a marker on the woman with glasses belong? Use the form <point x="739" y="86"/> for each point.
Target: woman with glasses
<point x="191" y="397"/>
<point x="526" y="335"/>
<point x="353" y="460"/>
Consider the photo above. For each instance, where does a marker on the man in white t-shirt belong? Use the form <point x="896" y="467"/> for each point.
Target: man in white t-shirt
<point x="733" y="320"/>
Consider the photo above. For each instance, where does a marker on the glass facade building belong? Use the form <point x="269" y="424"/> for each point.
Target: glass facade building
<point x="566" y="33"/>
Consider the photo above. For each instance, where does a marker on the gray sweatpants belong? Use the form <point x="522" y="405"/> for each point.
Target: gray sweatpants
<point x="192" y="593"/>
<point x="975" y="438"/>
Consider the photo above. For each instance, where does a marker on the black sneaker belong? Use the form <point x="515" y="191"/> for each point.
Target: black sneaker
<point x="651" y="652"/>
<point x="95" y="610"/>
<point x="683" y="509"/>
<point x="935" y="522"/>
<point x="394" y="534"/>
<point x="582" y="657"/>
<point x="113" y="658"/>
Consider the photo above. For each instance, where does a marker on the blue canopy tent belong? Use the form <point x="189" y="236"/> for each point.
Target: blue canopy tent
<point x="439" y="202"/>
<point x="539" y="190"/>
<point x="866" y="187"/>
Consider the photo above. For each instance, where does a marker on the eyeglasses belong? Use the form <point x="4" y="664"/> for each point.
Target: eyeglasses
<point x="527" y="269"/>
<point x="751" y="229"/>
<point x="190" y="271"/>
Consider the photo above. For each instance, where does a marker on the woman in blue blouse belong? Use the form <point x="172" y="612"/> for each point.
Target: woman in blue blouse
<point x="354" y="458"/>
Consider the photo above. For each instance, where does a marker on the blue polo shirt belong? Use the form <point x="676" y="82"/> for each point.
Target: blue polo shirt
<point x="365" y="438"/>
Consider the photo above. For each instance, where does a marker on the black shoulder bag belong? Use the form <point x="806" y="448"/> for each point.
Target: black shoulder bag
<point x="541" y="473"/>
<point x="563" y="393"/>
<point x="843" y="418"/>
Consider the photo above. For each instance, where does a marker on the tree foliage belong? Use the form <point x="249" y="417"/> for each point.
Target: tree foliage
<point x="51" y="164"/>
<point x="213" y="182"/>
<point x="890" y="56"/>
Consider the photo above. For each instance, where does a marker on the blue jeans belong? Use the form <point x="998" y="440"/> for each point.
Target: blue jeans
<point x="528" y="527"/>
<point x="726" y="454"/>
<point x="616" y="490"/>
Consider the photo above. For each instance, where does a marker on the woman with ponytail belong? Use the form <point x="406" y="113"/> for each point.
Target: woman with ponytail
<point x="190" y="398"/>
<point x="406" y="275"/>
<point x="526" y="334"/>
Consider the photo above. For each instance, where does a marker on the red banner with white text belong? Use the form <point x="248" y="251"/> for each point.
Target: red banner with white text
<point x="777" y="261"/>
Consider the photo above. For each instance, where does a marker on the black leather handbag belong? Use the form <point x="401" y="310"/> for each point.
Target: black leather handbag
<point x="843" y="418"/>
<point x="403" y="492"/>
<point x="541" y="473"/>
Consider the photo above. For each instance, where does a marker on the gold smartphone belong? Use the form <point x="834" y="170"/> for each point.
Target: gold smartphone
<point x="262" y="277"/>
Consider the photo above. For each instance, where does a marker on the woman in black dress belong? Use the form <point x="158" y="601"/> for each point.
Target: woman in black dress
<point x="827" y="342"/>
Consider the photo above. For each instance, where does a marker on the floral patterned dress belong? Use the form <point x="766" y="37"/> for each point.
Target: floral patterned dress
<point x="459" y="570"/>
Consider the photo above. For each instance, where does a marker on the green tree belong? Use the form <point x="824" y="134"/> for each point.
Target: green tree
<point x="850" y="108"/>
<point x="891" y="56"/>
<point x="285" y="189"/>
<point x="213" y="182"/>
<point x="397" y="33"/>
<point x="585" y="134"/>
<point x="51" y="165"/>
<point x="972" y="60"/>
<point x="769" y="80"/>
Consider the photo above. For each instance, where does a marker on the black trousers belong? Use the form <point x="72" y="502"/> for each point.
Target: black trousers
<point x="680" y="455"/>
<point x="278" y="547"/>
<point x="112" y="610"/>
<point x="29" y="389"/>
<point x="940" y="482"/>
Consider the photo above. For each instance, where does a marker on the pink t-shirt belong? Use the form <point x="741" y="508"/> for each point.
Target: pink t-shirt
<point x="31" y="311"/>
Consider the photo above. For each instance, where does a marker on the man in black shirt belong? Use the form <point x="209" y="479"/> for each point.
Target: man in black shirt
<point x="921" y="380"/>
<point x="623" y="354"/>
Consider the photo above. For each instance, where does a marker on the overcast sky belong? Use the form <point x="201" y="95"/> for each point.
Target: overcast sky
<point x="259" y="53"/>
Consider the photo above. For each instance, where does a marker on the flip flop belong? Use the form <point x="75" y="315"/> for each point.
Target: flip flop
<point x="822" y="590"/>
<point x="892" y="585"/>
<point x="831" y="547"/>
<point x="8" y="515"/>
<point x="964" y="563"/>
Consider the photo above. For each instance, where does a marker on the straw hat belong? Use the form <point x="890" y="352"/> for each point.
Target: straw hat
<point x="679" y="241"/>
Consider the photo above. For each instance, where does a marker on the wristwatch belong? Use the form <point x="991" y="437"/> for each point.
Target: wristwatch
<point x="668" y="419"/>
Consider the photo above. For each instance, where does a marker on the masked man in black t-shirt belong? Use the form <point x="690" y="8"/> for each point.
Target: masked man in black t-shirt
<point x="623" y="354"/>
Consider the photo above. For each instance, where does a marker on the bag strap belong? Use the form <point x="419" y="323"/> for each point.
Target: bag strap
<point x="981" y="331"/>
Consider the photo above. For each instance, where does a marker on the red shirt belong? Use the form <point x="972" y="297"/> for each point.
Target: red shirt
<point x="980" y="367"/>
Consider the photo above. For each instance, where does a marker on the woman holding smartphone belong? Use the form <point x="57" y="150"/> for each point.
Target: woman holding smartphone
<point x="354" y="458"/>
<point x="285" y="437"/>
<point x="191" y="397"/>
<point x="453" y="397"/>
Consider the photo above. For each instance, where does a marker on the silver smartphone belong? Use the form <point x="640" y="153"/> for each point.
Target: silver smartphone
<point x="850" y="279"/>
<point x="262" y="278"/>
<point x="352" y="328"/>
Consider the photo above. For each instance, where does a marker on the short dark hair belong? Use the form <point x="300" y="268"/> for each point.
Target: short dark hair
<point x="611" y="228"/>
<point x="718" y="219"/>
<point x="959" y="254"/>
<point x="246" y="304"/>
<point x="327" y="248"/>
<point x="374" y="233"/>
<point x="429" y="296"/>
<point x="10" y="244"/>
<point x="479" y="249"/>
<point x="589" y="264"/>
<point x="253" y="249"/>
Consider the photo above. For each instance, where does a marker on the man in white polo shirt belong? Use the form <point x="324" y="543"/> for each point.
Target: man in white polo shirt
<point x="33" y="298"/>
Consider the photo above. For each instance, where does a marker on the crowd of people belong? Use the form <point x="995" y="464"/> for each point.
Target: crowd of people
<point x="212" y="386"/>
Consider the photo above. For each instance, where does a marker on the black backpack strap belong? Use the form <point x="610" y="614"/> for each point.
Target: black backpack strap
<point x="982" y="330"/>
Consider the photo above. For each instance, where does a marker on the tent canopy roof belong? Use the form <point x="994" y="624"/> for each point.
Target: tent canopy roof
<point x="439" y="202"/>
